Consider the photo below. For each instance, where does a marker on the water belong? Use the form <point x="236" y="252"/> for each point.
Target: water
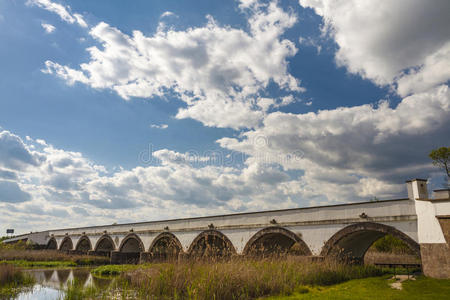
<point x="51" y="283"/>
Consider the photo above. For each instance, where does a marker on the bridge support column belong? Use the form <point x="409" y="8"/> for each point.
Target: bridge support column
<point x="145" y="257"/>
<point x="433" y="222"/>
<point x="118" y="257"/>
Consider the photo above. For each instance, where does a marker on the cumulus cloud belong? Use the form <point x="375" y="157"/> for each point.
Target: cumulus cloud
<point x="216" y="70"/>
<point x="48" y="27"/>
<point x="349" y="144"/>
<point x="12" y="193"/>
<point x="62" y="11"/>
<point x="14" y="154"/>
<point x="181" y="184"/>
<point x="386" y="40"/>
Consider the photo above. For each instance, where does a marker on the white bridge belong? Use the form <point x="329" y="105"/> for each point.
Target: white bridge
<point x="345" y="231"/>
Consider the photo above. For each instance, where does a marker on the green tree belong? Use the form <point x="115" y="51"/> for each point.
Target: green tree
<point x="441" y="159"/>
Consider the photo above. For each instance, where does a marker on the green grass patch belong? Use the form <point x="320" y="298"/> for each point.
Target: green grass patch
<point x="112" y="270"/>
<point x="375" y="288"/>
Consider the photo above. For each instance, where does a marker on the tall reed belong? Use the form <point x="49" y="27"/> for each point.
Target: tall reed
<point x="238" y="278"/>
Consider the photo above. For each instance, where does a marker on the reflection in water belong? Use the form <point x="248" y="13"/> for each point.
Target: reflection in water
<point x="50" y="284"/>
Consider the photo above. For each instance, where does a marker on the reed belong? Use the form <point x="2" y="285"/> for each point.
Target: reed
<point x="238" y="278"/>
<point x="12" y="280"/>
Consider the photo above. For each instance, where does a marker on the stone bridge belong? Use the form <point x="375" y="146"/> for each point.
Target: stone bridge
<point x="345" y="231"/>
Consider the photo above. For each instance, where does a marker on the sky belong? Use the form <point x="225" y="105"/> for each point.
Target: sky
<point x="127" y="111"/>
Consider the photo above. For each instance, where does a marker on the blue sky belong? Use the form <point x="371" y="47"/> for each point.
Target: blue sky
<point x="304" y="102"/>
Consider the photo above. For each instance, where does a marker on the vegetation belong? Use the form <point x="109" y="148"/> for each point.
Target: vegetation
<point x="374" y="288"/>
<point x="12" y="280"/>
<point x="390" y="244"/>
<point x="237" y="278"/>
<point x="112" y="270"/>
<point x="441" y="159"/>
<point x="19" y="254"/>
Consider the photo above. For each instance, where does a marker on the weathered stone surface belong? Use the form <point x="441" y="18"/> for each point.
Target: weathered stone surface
<point x="445" y="225"/>
<point x="435" y="260"/>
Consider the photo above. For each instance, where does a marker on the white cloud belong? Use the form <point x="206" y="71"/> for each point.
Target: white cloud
<point x="48" y="27"/>
<point x="168" y="14"/>
<point x="216" y="70"/>
<point x="183" y="184"/>
<point x="381" y="39"/>
<point x="160" y="126"/>
<point x="356" y="144"/>
<point x="62" y="11"/>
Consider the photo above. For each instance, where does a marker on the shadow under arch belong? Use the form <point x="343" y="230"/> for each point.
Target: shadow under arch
<point x="52" y="245"/>
<point x="352" y="242"/>
<point x="211" y="243"/>
<point x="276" y="240"/>
<point x="131" y="243"/>
<point x="66" y="244"/>
<point x="165" y="246"/>
<point x="131" y="248"/>
<point x="84" y="244"/>
<point x="105" y="245"/>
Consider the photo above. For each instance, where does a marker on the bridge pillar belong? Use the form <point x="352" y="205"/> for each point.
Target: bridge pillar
<point x="433" y="222"/>
<point x="118" y="257"/>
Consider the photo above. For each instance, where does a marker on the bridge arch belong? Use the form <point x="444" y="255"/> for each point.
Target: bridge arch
<point x="165" y="246"/>
<point x="211" y="243"/>
<point x="131" y="244"/>
<point x="105" y="244"/>
<point x="275" y="240"/>
<point x="352" y="242"/>
<point x="66" y="244"/>
<point x="84" y="244"/>
<point x="52" y="244"/>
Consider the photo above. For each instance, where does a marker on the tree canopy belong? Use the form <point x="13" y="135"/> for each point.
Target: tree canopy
<point x="441" y="158"/>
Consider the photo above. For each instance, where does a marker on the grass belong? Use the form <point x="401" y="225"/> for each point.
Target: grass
<point x="112" y="270"/>
<point x="376" y="288"/>
<point x="12" y="281"/>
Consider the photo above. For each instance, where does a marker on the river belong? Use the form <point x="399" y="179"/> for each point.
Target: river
<point x="52" y="283"/>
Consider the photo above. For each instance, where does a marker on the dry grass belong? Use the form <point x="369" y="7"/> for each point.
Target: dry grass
<point x="7" y="274"/>
<point x="238" y="278"/>
<point x="11" y="280"/>
<point x="50" y="256"/>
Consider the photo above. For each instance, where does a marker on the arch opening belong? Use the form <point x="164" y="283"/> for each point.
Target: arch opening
<point x="276" y="241"/>
<point x="104" y="246"/>
<point x="83" y="245"/>
<point x="52" y="245"/>
<point x="165" y="247"/>
<point x="131" y="248"/>
<point x="211" y="244"/>
<point x="351" y="243"/>
<point x="66" y="244"/>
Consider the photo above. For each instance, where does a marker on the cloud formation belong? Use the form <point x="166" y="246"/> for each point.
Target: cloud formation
<point x="62" y="11"/>
<point x="218" y="71"/>
<point x="48" y="27"/>
<point x="390" y="41"/>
